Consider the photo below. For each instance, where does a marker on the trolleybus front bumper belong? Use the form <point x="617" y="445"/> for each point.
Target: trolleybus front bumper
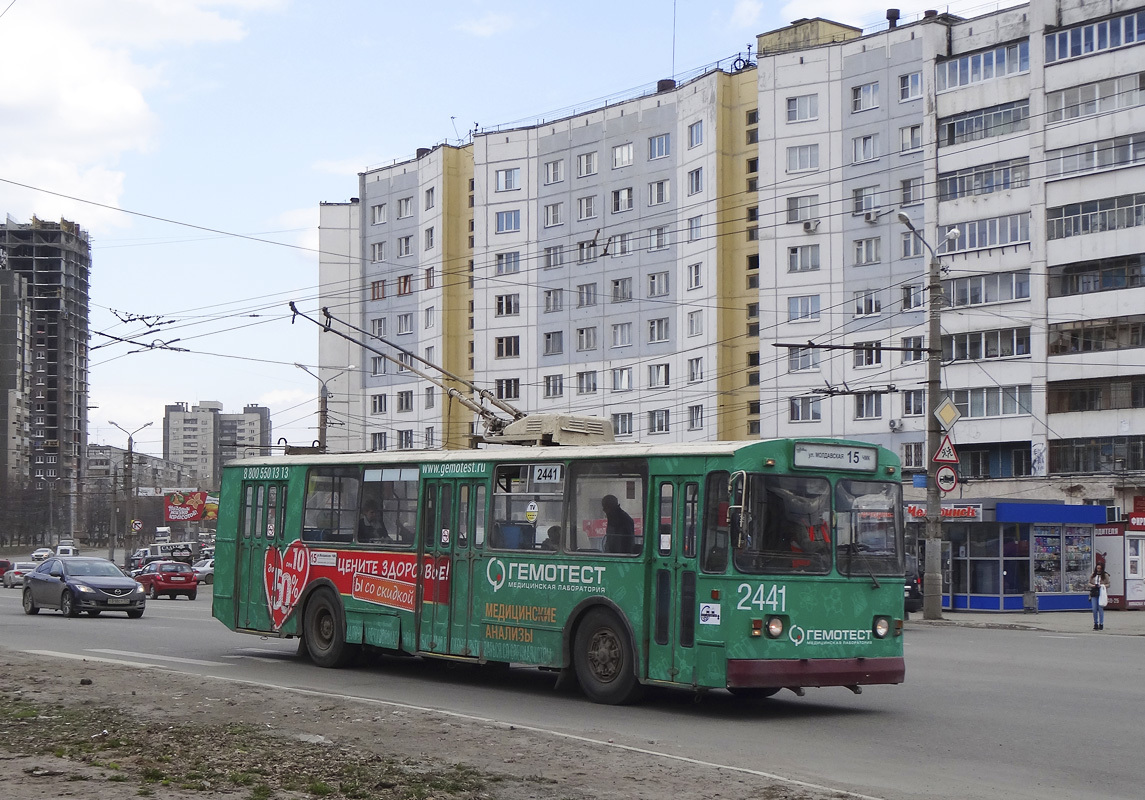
<point x="784" y="673"/>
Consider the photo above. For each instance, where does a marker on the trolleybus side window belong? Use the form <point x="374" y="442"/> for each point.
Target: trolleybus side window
<point x="607" y="500"/>
<point x="786" y="526"/>
<point x="259" y="509"/>
<point x="716" y="524"/>
<point x="479" y="523"/>
<point x="667" y="509"/>
<point x="272" y="528"/>
<point x="463" y="516"/>
<point x="528" y="500"/>
<point x="691" y="517"/>
<point x="248" y="512"/>
<point x="388" y="507"/>
<point x="869" y="526"/>
<point x="331" y="511"/>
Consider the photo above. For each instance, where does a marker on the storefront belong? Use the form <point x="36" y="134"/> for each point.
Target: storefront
<point x="1008" y="556"/>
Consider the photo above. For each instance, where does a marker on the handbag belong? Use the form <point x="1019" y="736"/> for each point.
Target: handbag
<point x="1095" y="590"/>
<point x="1103" y="597"/>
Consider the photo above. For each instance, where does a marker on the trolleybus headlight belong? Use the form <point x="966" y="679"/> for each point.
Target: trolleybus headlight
<point x="774" y="627"/>
<point x="882" y="627"/>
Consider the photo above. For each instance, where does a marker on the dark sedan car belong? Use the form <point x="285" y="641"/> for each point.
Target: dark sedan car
<point x="80" y="584"/>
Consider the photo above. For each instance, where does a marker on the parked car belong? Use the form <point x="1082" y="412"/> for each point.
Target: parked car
<point x="82" y="583"/>
<point x="171" y="578"/>
<point x="42" y="553"/>
<point x="205" y="570"/>
<point x="67" y="550"/>
<point x="5" y="565"/>
<point x="14" y="578"/>
<point x="912" y="589"/>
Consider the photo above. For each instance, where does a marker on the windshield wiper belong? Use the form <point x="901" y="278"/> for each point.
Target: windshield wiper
<point x="851" y="550"/>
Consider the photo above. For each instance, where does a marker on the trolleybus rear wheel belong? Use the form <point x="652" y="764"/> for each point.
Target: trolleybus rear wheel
<point x="324" y="632"/>
<point x="603" y="656"/>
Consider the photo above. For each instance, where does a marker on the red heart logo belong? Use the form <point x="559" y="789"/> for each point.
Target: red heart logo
<point x="284" y="575"/>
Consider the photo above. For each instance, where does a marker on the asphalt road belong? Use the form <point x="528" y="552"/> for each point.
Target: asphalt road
<point x="984" y="713"/>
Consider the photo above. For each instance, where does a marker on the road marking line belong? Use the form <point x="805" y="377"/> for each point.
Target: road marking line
<point x="78" y="657"/>
<point x="161" y="658"/>
<point x="265" y="659"/>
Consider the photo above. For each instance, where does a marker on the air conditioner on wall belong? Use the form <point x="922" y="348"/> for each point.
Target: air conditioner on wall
<point x="871" y="216"/>
<point x="810" y="225"/>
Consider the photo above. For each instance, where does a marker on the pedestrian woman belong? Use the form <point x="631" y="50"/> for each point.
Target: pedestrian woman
<point x="1098" y="594"/>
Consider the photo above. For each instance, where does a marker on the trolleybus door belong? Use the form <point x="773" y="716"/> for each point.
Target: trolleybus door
<point x="260" y="529"/>
<point x="451" y="509"/>
<point x="673" y="612"/>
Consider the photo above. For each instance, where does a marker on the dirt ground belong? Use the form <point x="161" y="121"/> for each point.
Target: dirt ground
<point x="84" y="729"/>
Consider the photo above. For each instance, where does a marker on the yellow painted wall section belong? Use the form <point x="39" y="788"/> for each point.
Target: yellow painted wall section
<point x="738" y="95"/>
<point x="457" y="172"/>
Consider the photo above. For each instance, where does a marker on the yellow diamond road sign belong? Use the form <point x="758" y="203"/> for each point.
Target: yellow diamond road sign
<point x="947" y="413"/>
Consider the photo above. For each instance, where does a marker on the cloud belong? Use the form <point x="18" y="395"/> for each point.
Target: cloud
<point x="746" y="13"/>
<point x="489" y="25"/>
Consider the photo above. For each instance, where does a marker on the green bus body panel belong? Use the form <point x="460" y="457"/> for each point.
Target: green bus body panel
<point x="519" y="606"/>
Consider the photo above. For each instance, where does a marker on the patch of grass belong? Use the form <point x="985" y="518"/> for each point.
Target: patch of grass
<point x="152" y="774"/>
<point x="319" y="789"/>
<point x="261" y="792"/>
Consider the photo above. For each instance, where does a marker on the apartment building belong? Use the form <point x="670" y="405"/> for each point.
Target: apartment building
<point x="724" y="257"/>
<point x="203" y="438"/>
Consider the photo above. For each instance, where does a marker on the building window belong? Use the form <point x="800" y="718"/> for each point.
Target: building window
<point x="622" y="379"/>
<point x="802" y="158"/>
<point x="910" y="86"/>
<point x="378" y="441"/>
<point x="800" y="359"/>
<point x="912" y="455"/>
<point x="1095" y="98"/>
<point x="986" y="65"/>
<point x="695" y="276"/>
<point x="377" y="290"/>
<point x="911" y="246"/>
<point x="378" y="327"/>
<point x="911" y="191"/>
<point x="378" y="251"/>
<point x="554" y="300"/>
<point x="429" y="198"/>
<point x="658" y="192"/>
<point x="508" y="179"/>
<point x="912" y="349"/>
<point x="657" y="330"/>
<point x="802" y="208"/>
<point x="378" y="213"/>
<point x="622" y="334"/>
<point x="867" y="251"/>
<point x="621" y="290"/>
<point x="508" y="346"/>
<point x="405" y="207"/>
<point x="554" y="343"/>
<point x="430" y="318"/>
<point x="992" y="232"/>
<point x="508" y="305"/>
<point x="405" y="401"/>
<point x="553" y="215"/>
<point x="865" y="97"/>
<point x="695" y="228"/>
<point x="995" y="177"/>
<point x="803" y="258"/>
<point x="868" y="354"/>
<point x="803" y="108"/>
<point x="864" y="199"/>
<point x="554" y="171"/>
<point x="659" y="146"/>
<point x="405" y="323"/>
<point x="405" y="246"/>
<point x="586" y="339"/>
<point x="696" y="181"/>
<point x="911" y="296"/>
<point x="405" y="440"/>
<point x="658" y="284"/>
<point x="864" y="148"/>
<point x="405" y="285"/>
<point x="868" y="405"/>
<point x="622" y="424"/>
<point x="867" y="303"/>
<point x="995" y="287"/>
<point x="508" y="263"/>
<point x="695" y="323"/>
<point x="622" y="200"/>
<point x="377" y="365"/>
<point x="1004" y="343"/>
<point x="508" y="388"/>
<point x="695" y="369"/>
<point x="586" y="207"/>
<point x="586" y="382"/>
<point x="586" y="164"/>
<point x="428" y="238"/>
<point x="586" y="252"/>
<point x="378" y="404"/>
<point x="696" y="134"/>
<point x="910" y="138"/>
<point x="508" y="221"/>
<point x="984" y="123"/>
<point x="430" y="395"/>
<point x="658" y="421"/>
<point x="658" y="238"/>
<point x="695" y="418"/>
<point x="622" y="155"/>
<point x="554" y="385"/>
<point x="554" y="256"/>
<point x="913" y="403"/>
<point x="804" y="409"/>
<point x="586" y="295"/>
<point x="803" y="309"/>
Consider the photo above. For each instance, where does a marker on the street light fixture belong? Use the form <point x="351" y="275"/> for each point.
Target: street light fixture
<point x="323" y="399"/>
<point x="129" y="477"/>
<point x="932" y="568"/>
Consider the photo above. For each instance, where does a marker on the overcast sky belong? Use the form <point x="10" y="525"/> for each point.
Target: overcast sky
<point x="195" y="139"/>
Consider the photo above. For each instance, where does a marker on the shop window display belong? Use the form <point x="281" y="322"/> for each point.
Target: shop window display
<point x="1078" y="558"/>
<point x="1047" y="558"/>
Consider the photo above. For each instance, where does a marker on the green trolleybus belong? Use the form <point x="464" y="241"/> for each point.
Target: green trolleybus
<point x="747" y="566"/>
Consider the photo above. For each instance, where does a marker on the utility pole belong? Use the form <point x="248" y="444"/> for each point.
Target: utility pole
<point x="129" y="483"/>
<point x="932" y="567"/>
<point x="323" y="402"/>
<point x="111" y="522"/>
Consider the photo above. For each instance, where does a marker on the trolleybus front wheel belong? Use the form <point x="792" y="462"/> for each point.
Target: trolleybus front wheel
<point x="603" y="656"/>
<point x="324" y="632"/>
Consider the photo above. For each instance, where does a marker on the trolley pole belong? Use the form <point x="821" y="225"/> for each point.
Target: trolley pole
<point x="932" y="566"/>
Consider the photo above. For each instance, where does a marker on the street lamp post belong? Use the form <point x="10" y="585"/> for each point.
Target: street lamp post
<point x="932" y="567"/>
<point x="128" y="477"/>
<point x="323" y="402"/>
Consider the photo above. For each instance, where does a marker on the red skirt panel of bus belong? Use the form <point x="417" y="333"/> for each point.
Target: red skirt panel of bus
<point x="814" y="672"/>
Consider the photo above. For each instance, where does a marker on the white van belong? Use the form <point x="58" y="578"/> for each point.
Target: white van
<point x="67" y="550"/>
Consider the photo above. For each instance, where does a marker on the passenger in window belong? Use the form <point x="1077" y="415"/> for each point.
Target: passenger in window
<point x="370" y="525"/>
<point x="620" y="533"/>
<point x="552" y="542"/>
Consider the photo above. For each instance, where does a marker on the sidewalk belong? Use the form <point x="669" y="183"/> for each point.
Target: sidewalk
<point x="1124" y="623"/>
